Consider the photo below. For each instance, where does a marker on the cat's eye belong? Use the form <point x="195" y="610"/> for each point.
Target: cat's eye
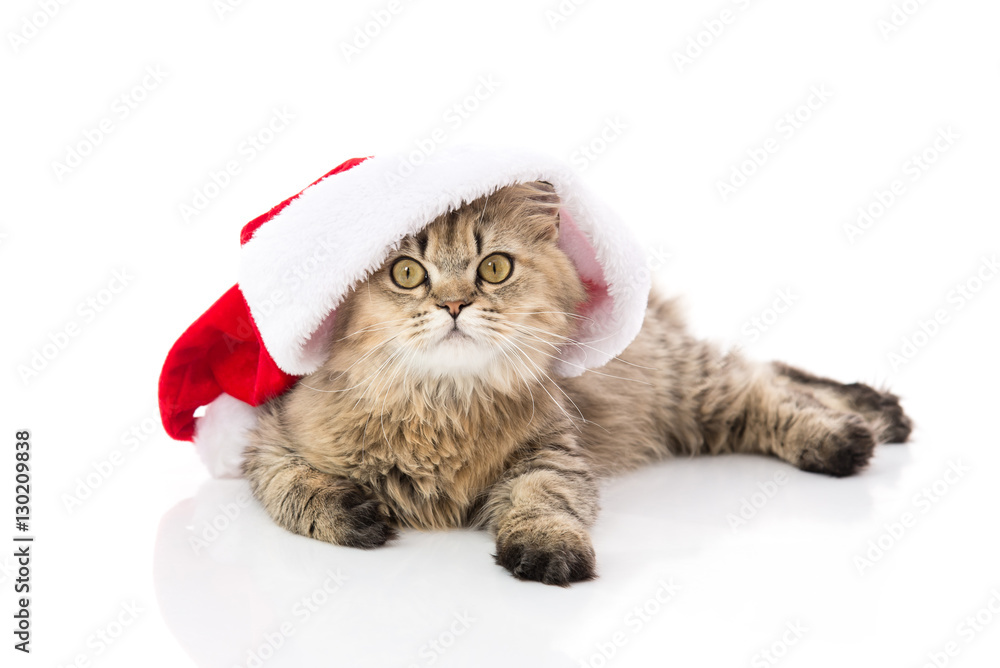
<point x="495" y="268"/>
<point x="408" y="273"/>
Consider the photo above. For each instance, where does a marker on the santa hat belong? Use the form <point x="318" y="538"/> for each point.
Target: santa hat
<point x="299" y="260"/>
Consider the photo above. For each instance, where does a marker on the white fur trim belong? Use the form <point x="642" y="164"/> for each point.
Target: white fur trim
<point x="298" y="266"/>
<point x="220" y="436"/>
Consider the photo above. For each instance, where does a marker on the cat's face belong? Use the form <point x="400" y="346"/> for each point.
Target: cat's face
<point x="483" y="292"/>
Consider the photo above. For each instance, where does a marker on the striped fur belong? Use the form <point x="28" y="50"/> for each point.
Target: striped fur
<point x="405" y="427"/>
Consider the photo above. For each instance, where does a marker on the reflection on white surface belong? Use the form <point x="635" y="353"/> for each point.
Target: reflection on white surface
<point x="236" y="590"/>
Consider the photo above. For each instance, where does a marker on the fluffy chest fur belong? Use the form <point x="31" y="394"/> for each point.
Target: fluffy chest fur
<point x="428" y="451"/>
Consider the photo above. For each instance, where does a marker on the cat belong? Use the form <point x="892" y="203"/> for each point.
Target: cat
<point x="437" y="406"/>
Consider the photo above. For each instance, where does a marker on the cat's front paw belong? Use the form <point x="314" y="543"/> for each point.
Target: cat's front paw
<point x="350" y="518"/>
<point x="842" y="452"/>
<point x="552" y="551"/>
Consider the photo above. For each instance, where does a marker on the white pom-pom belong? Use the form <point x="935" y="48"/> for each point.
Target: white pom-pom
<point x="221" y="435"/>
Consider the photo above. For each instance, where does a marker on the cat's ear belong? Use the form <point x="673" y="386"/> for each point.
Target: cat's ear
<point x="541" y="206"/>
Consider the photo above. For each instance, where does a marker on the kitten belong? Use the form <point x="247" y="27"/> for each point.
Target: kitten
<point x="437" y="406"/>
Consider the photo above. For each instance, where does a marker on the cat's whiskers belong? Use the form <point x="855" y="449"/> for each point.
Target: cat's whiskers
<point x="518" y="357"/>
<point x="558" y="387"/>
<point x="580" y="366"/>
<point x="370" y="328"/>
<point x="366" y="356"/>
<point x="556" y="347"/>
<point x="388" y="387"/>
<point x="502" y="348"/>
<point x="565" y="313"/>
<point x="385" y="364"/>
<point x="568" y="339"/>
<point x="378" y="372"/>
<point x="572" y="340"/>
<point x="373" y="350"/>
<point x="542" y="385"/>
<point x="356" y="362"/>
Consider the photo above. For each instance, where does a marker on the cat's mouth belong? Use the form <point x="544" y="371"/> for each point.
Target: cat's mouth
<point x="455" y="333"/>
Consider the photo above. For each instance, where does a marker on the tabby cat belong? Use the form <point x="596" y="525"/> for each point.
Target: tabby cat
<point x="437" y="405"/>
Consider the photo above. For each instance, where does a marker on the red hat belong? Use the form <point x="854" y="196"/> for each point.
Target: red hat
<point x="299" y="260"/>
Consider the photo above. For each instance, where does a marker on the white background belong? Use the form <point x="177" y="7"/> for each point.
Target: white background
<point x="682" y="129"/>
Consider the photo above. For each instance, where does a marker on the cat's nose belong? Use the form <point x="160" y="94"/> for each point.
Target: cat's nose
<point x="453" y="307"/>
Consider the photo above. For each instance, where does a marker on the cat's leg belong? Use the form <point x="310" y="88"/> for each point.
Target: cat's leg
<point x="881" y="410"/>
<point x="540" y="512"/>
<point x="749" y="407"/>
<point x="306" y="500"/>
